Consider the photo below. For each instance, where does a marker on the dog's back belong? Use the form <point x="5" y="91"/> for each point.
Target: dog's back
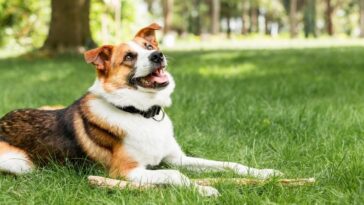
<point x="41" y="135"/>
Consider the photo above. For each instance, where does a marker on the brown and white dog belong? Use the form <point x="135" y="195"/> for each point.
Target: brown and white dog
<point x="119" y="122"/>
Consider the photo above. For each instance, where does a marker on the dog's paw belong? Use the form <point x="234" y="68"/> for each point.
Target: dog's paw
<point x="258" y="173"/>
<point x="267" y="173"/>
<point x="208" y="191"/>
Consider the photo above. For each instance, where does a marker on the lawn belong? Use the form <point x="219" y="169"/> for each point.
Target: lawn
<point x="297" y="110"/>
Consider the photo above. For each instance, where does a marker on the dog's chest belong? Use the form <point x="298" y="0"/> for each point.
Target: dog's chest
<point x="148" y="141"/>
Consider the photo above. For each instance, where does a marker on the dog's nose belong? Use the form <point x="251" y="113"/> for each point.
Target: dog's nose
<point x="156" y="57"/>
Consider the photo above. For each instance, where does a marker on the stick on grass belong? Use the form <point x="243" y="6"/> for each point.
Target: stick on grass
<point x="120" y="184"/>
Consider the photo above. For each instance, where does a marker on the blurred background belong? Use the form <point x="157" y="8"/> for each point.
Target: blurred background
<point x="75" y="25"/>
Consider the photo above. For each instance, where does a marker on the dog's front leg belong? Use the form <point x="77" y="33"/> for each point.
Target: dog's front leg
<point x="211" y="165"/>
<point x="173" y="177"/>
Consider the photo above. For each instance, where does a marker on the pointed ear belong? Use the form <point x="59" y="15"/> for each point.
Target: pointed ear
<point x="148" y="33"/>
<point x="100" y="57"/>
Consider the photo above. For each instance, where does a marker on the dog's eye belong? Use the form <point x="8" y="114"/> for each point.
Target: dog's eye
<point x="129" y="56"/>
<point x="149" y="47"/>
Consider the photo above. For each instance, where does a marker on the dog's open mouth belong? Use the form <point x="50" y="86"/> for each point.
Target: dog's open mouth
<point x="157" y="79"/>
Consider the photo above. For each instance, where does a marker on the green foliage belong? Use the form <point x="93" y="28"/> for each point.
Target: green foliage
<point x="300" y="111"/>
<point x="349" y="19"/>
<point x="24" y="22"/>
<point x="287" y="4"/>
<point x="103" y="12"/>
<point x="180" y="16"/>
<point x="273" y="8"/>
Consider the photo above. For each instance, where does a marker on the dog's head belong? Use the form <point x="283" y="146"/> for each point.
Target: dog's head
<point x="135" y="70"/>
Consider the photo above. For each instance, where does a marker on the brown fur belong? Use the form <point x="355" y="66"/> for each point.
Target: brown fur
<point x="148" y="34"/>
<point x="44" y="135"/>
<point x="109" y="138"/>
<point x="113" y="131"/>
<point x="5" y="147"/>
<point x="95" y="152"/>
<point x="119" y="71"/>
<point x="121" y="162"/>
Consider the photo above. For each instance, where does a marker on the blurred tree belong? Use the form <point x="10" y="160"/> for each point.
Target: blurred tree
<point x="293" y="18"/>
<point x="215" y="16"/>
<point x="25" y="23"/>
<point x="150" y="6"/>
<point x="167" y="15"/>
<point x="69" y="27"/>
<point x="244" y="16"/>
<point x="330" y="8"/>
<point x="292" y="7"/>
<point x="229" y="10"/>
<point x="197" y="12"/>
<point x="112" y="21"/>
<point x="310" y="18"/>
<point x="273" y="12"/>
<point x="328" y="17"/>
<point x="346" y="19"/>
<point x="180" y="20"/>
<point x="361" y="9"/>
<point x="253" y="16"/>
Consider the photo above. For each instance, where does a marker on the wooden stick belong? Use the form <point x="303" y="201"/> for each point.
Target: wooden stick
<point x="248" y="181"/>
<point x="114" y="183"/>
<point x="120" y="184"/>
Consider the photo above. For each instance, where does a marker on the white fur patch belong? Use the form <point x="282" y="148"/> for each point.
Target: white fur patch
<point x="15" y="163"/>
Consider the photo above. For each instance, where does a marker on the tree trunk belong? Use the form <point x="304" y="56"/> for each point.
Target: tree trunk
<point x="292" y="18"/>
<point x="329" y="12"/>
<point x="253" y="20"/>
<point x="361" y="3"/>
<point x="310" y="18"/>
<point x="245" y="17"/>
<point x="198" y="18"/>
<point x="167" y="15"/>
<point x="215" y="23"/>
<point x="69" y="29"/>
<point x="228" y="25"/>
<point x="266" y="24"/>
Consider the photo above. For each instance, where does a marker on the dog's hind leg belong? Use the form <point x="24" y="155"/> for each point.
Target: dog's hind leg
<point x="14" y="160"/>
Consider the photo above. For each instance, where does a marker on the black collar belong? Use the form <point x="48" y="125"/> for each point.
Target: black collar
<point x="151" y="112"/>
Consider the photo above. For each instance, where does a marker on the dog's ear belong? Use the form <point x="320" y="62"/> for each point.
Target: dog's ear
<point x="100" y="57"/>
<point x="148" y="33"/>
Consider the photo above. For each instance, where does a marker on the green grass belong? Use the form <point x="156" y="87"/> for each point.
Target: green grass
<point x="299" y="111"/>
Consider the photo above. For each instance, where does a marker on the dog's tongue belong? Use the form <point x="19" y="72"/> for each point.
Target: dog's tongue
<point x="159" y="77"/>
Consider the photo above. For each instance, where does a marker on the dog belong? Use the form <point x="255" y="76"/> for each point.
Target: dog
<point x="119" y="122"/>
